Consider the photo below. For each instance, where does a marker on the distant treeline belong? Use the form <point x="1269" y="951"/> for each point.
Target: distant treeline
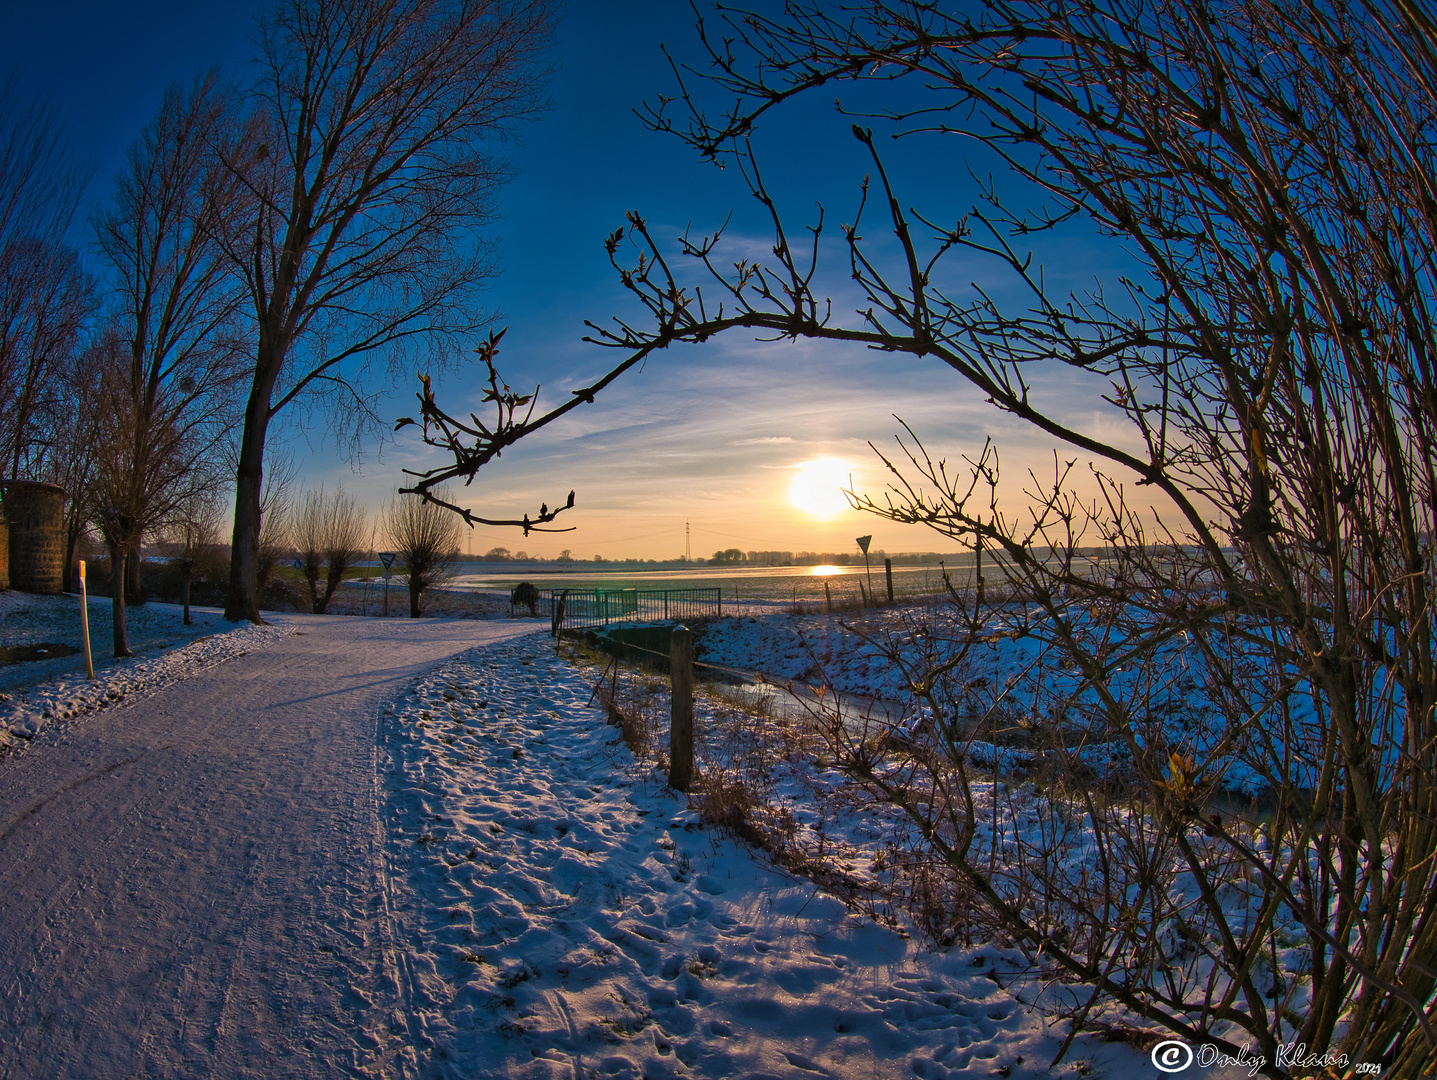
<point x="735" y="557"/>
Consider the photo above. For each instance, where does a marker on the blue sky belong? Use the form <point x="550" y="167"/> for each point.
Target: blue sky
<point x="711" y="435"/>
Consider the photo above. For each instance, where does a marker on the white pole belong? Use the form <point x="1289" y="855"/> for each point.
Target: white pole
<point x="369" y="578"/>
<point x="85" y="622"/>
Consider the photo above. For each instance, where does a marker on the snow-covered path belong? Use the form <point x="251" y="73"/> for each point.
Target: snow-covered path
<point x="193" y="885"/>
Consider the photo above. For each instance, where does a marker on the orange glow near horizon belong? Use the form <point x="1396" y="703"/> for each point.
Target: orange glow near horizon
<point x="826" y="570"/>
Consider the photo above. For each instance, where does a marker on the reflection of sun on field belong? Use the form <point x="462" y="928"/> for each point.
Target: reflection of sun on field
<point x="825" y="570"/>
<point x="818" y="487"/>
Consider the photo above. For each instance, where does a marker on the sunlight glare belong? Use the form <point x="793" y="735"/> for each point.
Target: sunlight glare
<point x="826" y="570"/>
<point x="818" y="488"/>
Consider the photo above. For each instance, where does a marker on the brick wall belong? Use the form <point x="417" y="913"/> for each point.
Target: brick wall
<point x="36" y="515"/>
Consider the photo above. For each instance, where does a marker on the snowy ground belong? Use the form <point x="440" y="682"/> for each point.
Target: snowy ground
<point x="34" y="693"/>
<point x="330" y="857"/>
<point x="192" y="882"/>
<point x="576" y="919"/>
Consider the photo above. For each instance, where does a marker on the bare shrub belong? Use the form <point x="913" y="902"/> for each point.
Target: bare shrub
<point x="727" y="802"/>
<point x="425" y="536"/>
<point x="525" y="595"/>
<point x="328" y="534"/>
<point x="635" y="702"/>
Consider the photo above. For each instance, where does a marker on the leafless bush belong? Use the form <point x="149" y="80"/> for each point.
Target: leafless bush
<point x="728" y="803"/>
<point x="329" y="536"/>
<point x="635" y="702"/>
<point x="425" y="536"/>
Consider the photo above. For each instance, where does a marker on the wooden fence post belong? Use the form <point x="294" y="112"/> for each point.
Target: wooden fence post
<point x="681" y="724"/>
<point x="888" y="570"/>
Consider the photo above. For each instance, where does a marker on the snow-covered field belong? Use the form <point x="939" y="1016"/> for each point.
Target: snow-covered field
<point x="34" y="693"/>
<point x="575" y="918"/>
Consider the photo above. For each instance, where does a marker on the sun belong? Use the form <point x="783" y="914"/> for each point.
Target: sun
<point x="818" y="488"/>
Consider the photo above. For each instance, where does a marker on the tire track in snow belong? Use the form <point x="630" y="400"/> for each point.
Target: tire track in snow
<point x="40" y="804"/>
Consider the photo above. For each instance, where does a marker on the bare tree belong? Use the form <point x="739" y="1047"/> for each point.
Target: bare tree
<point x="44" y="295"/>
<point x="44" y="301"/>
<point x="277" y="510"/>
<point x="172" y="357"/>
<point x="191" y="537"/>
<point x="1269" y="164"/>
<point x="369" y="170"/>
<point x="125" y="503"/>
<point x="71" y="458"/>
<point x="425" y="536"/>
<point x="328" y="534"/>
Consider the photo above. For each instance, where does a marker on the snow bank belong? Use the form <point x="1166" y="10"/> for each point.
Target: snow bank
<point x="805" y="649"/>
<point x="575" y="918"/>
<point x="36" y="693"/>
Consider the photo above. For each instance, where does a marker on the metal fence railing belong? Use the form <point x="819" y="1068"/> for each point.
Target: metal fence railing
<point x="600" y="607"/>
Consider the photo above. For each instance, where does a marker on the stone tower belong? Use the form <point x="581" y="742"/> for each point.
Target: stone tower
<point x="36" y="516"/>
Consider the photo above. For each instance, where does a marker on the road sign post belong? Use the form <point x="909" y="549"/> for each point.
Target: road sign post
<point x="863" y="542"/>
<point x="387" y="558"/>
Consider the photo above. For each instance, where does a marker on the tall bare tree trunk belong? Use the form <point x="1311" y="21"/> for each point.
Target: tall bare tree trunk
<point x="70" y="581"/>
<point x="243" y="600"/>
<point x="134" y="588"/>
<point x="369" y="165"/>
<point x="121" y="635"/>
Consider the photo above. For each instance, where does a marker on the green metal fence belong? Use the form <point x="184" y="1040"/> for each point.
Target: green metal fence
<point x="600" y="607"/>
